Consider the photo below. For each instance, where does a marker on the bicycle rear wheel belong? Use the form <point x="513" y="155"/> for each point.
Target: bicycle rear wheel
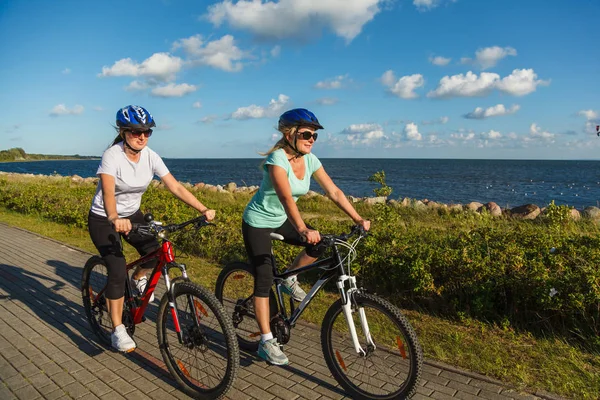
<point x="93" y="284"/>
<point x="206" y="361"/>
<point x="235" y="289"/>
<point x="392" y="366"/>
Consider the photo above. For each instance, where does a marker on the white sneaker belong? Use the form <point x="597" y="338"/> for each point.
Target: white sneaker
<point x="290" y="286"/>
<point x="140" y="285"/>
<point x="121" y="341"/>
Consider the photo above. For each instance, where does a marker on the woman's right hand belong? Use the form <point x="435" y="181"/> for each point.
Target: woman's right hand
<point x="122" y="225"/>
<point x="312" y="236"/>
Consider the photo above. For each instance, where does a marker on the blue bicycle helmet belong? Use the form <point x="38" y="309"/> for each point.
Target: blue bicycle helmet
<point x="135" y="117"/>
<point x="299" y="117"/>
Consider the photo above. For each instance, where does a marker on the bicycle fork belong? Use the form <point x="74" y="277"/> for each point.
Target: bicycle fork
<point x="347" y="300"/>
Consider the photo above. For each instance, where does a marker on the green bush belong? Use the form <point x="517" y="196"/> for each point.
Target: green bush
<point x="541" y="275"/>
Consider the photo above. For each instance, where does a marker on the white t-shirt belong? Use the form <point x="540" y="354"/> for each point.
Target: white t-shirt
<point x="131" y="179"/>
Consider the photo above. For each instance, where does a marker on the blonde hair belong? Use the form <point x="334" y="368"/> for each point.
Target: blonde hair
<point x="281" y="143"/>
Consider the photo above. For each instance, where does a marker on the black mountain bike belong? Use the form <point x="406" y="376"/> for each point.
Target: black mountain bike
<point x="369" y="346"/>
<point x="195" y="334"/>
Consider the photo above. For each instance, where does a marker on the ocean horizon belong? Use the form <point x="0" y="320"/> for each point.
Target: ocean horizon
<point x="507" y="182"/>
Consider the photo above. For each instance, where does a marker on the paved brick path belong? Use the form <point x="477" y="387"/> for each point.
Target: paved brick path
<point x="48" y="351"/>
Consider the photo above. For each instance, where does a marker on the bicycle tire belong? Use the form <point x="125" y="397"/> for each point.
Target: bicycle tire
<point x="396" y="341"/>
<point x="241" y="313"/>
<point x="92" y="283"/>
<point x="197" y="339"/>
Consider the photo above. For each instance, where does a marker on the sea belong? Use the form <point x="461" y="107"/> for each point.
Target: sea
<point x="509" y="183"/>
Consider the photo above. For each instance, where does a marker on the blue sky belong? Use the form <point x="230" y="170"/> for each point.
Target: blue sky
<point x="482" y="79"/>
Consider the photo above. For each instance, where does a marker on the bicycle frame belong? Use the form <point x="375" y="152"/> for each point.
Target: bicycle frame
<point x="333" y="266"/>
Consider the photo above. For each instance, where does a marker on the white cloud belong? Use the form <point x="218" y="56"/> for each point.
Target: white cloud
<point x="221" y="54"/>
<point x="327" y="101"/>
<point x="489" y="56"/>
<point x="338" y="82"/>
<point x="159" y="66"/>
<point x="440" y="61"/>
<point x="427" y="5"/>
<point x="61" y="109"/>
<point x="589" y="114"/>
<point x="137" y="85"/>
<point x="519" y="83"/>
<point x="440" y="120"/>
<point x="98" y="108"/>
<point x="209" y="119"/>
<point x="494" y="111"/>
<point x="365" y="134"/>
<point x="173" y="90"/>
<point x="294" y="18"/>
<point x="467" y="85"/>
<point x="254" y="111"/>
<point x="492" y="134"/>
<point x="197" y="104"/>
<point x="463" y="136"/>
<point x="66" y="71"/>
<point x="536" y="132"/>
<point x="403" y="87"/>
<point x="411" y="132"/>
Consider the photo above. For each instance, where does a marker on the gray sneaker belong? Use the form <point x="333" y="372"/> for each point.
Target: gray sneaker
<point x="270" y="352"/>
<point x="290" y="286"/>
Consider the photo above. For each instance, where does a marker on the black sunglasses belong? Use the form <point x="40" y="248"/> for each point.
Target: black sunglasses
<point x="306" y="135"/>
<point x="137" y="134"/>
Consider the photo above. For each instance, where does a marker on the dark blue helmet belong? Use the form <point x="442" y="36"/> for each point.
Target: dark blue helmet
<point x="299" y="117"/>
<point x="135" y="117"/>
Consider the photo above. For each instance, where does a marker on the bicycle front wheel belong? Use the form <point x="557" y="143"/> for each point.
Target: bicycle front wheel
<point x="206" y="359"/>
<point x="392" y="365"/>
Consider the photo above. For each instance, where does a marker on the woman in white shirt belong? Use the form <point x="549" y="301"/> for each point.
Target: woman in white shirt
<point x="126" y="170"/>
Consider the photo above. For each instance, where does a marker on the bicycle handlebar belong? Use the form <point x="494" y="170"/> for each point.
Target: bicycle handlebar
<point x="154" y="228"/>
<point x="329" y="240"/>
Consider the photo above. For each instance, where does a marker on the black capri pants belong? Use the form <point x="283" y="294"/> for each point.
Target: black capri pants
<point x="259" y="247"/>
<point x="109" y="245"/>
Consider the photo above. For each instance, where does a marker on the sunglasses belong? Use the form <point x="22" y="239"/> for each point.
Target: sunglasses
<point x="306" y="135"/>
<point x="137" y="134"/>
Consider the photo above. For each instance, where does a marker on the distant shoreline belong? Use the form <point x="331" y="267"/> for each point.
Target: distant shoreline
<point x="53" y="159"/>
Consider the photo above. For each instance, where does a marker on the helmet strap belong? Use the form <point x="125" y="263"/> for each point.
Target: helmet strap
<point x="135" y="151"/>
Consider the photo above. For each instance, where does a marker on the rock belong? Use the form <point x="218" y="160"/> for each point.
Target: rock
<point x="493" y="208"/>
<point x="155" y="183"/>
<point x="433" y="204"/>
<point x="393" y="203"/>
<point x="187" y="185"/>
<point x="230" y="187"/>
<point x="76" y="179"/>
<point x="592" y="213"/>
<point x="375" y="200"/>
<point x="419" y="204"/>
<point x="456" y="207"/>
<point x="527" y="211"/>
<point x="199" y="185"/>
<point x="210" y="188"/>
<point x="353" y="199"/>
<point x="473" y="206"/>
<point x="405" y="202"/>
<point x="311" y="194"/>
<point x="575" y="215"/>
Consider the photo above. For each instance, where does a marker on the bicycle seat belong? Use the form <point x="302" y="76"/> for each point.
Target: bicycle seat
<point x="276" y="236"/>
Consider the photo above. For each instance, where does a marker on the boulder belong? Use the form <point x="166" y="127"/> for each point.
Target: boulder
<point x="405" y="202"/>
<point x="230" y="187"/>
<point x="375" y="200"/>
<point x="592" y="213"/>
<point x="76" y="179"/>
<point x="527" y="211"/>
<point x="493" y="208"/>
<point x="473" y="206"/>
<point x="199" y="185"/>
<point x="575" y="215"/>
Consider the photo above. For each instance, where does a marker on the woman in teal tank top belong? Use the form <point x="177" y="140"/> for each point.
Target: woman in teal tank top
<point x="287" y="170"/>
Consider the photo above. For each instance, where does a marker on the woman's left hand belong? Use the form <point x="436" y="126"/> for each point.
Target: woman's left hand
<point x="209" y="214"/>
<point x="365" y="223"/>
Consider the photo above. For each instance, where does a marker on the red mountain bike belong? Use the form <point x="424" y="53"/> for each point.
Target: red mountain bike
<point x="195" y="335"/>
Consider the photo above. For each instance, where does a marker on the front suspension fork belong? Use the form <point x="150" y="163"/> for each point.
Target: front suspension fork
<point x="348" y="301"/>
